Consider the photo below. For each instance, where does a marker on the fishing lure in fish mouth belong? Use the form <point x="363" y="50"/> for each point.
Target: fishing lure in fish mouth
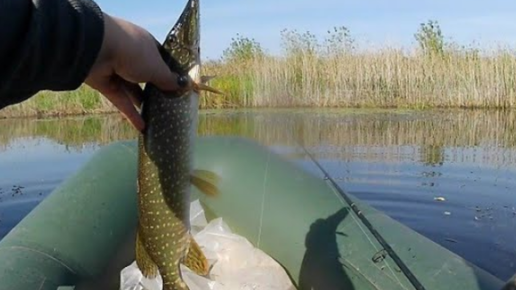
<point x="183" y="81"/>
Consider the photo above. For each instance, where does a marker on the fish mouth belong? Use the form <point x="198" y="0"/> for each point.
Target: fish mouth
<point x="181" y="48"/>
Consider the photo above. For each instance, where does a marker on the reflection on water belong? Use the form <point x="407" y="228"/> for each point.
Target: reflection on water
<point x="399" y="162"/>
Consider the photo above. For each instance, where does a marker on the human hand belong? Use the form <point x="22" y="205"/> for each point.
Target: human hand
<point x="129" y="55"/>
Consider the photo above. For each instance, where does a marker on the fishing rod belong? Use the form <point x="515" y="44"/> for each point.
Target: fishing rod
<point x="410" y="276"/>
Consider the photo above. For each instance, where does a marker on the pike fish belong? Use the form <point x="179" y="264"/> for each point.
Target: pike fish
<point x="165" y="165"/>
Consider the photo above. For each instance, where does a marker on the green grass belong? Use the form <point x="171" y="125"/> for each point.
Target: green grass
<point x="47" y="103"/>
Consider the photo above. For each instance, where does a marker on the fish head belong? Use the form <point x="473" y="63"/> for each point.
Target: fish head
<point x="183" y="46"/>
<point x="181" y="52"/>
<point x="181" y="49"/>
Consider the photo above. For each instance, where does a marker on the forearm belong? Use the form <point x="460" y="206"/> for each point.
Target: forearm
<point x="46" y="45"/>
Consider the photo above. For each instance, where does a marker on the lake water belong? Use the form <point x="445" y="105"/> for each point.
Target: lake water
<point x="398" y="161"/>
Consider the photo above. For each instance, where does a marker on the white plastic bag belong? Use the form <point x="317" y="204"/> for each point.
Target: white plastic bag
<point x="237" y="264"/>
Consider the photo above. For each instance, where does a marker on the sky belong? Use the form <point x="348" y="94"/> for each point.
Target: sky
<point x="371" y="22"/>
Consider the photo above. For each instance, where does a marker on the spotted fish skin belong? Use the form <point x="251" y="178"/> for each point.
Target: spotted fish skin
<point x="165" y="159"/>
<point x="164" y="188"/>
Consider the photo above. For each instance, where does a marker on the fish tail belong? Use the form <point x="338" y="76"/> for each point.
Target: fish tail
<point x="196" y="260"/>
<point x="144" y="262"/>
<point x="169" y="268"/>
<point x="206" y="181"/>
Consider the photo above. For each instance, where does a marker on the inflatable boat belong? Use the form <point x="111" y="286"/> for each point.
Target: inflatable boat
<point x="82" y="235"/>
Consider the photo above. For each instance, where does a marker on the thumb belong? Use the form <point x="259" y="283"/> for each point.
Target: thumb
<point x="122" y="94"/>
<point x="161" y="75"/>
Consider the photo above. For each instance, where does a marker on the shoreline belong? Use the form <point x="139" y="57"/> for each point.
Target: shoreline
<point x="329" y="74"/>
<point x="55" y="115"/>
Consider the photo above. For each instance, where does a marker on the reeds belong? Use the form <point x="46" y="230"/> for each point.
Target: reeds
<point x="334" y="72"/>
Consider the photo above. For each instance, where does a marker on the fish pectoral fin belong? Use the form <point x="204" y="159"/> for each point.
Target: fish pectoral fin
<point x="143" y="260"/>
<point x="196" y="260"/>
<point x="206" y="181"/>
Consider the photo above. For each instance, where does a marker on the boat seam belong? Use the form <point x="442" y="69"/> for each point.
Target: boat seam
<point x="361" y="227"/>
<point x="47" y="255"/>
<point x="263" y="199"/>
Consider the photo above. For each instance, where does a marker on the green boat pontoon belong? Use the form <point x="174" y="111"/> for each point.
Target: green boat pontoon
<point x="82" y="235"/>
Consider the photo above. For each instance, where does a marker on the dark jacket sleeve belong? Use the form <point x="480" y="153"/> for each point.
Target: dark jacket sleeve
<point x="46" y="45"/>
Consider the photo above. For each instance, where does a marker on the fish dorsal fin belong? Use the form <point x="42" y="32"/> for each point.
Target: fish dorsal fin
<point x="206" y="181"/>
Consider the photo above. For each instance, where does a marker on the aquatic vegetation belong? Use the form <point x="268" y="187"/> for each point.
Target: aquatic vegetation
<point x="334" y="72"/>
<point x="81" y="101"/>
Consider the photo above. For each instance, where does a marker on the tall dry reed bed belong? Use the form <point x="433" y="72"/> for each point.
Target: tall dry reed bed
<point x="384" y="78"/>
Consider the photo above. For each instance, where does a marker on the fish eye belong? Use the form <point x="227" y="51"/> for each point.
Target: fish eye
<point x="172" y="38"/>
